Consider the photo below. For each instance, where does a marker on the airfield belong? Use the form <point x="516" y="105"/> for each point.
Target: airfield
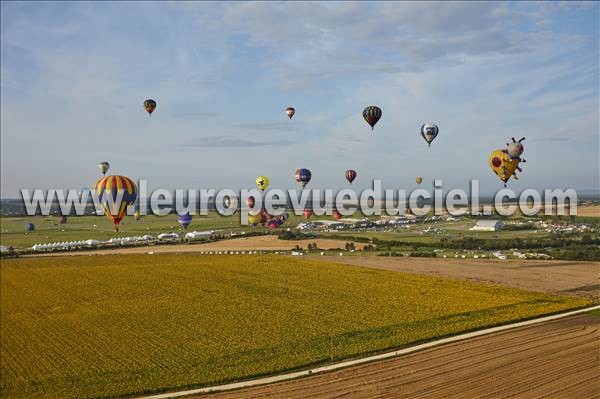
<point x="135" y="320"/>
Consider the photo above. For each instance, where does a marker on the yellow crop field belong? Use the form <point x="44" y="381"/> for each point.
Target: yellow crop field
<point x="106" y="326"/>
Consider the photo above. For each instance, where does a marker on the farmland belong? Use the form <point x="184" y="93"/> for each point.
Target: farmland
<point x="127" y="324"/>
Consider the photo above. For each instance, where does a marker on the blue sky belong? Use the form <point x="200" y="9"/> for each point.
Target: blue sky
<point x="74" y="76"/>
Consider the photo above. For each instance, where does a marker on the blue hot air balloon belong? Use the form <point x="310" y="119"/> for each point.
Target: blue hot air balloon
<point x="184" y="220"/>
<point x="303" y="176"/>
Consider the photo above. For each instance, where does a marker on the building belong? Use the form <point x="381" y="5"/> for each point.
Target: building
<point x="199" y="235"/>
<point x="488" y="225"/>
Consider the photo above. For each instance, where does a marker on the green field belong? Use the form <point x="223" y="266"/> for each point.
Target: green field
<point x="12" y="231"/>
<point x="105" y="326"/>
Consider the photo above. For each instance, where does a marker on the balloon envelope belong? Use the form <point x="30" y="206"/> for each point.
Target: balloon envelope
<point x="429" y="132"/>
<point x="253" y="219"/>
<point x="149" y="106"/>
<point x="109" y="189"/>
<point x="290" y="111"/>
<point x="502" y="165"/>
<point x="262" y="182"/>
<point x="372" y="114"/>
<point x="303" y="176"/>
<point x="307" y="213"/>
<point x="184" y="220"/>
<point x="419" y="180"/>
<point x="337" y="215"/>
<point x="103" y="166"/>
<point x="29" y="226"/>
<point x="351" y="175"/>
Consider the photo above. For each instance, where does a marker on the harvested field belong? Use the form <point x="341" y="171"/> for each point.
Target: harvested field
<point x="559" y="277"/>
<point x="591" y="210"/>
<point x="558" y="359"/>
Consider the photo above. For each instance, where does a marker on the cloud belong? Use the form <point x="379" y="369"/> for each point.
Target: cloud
<point x="236" y="142"/>
<point x="275" y="126"/>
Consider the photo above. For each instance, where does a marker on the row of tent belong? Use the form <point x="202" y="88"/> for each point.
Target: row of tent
<point x="192" y="235"/>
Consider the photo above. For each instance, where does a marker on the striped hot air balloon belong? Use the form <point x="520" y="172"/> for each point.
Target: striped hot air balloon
<point x="149" y="106"/>
<point x="184" y="220"/>
<point x="350" y="175"/>
<point x="372" y="114"/>
<point x="116" y="194"/>
<point x="303" y="176"/>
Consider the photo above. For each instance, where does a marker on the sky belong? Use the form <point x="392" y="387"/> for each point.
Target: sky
<point x="74" y="76"/>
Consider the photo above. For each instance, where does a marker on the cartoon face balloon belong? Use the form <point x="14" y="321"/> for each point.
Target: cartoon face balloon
<point x="262" y="182"/>
<point x="290" y="111"/>
<point x="429" y="131"/>
<point x="515" y="149"/>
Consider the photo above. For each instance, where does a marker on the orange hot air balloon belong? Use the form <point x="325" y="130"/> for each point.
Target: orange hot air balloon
<point x="116" y="194"/>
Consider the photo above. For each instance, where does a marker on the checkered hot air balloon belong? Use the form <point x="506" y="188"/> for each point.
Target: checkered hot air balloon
<point x="303" y="176"/>
<point x="116" y="194"/>
<point x="372" y="114"/>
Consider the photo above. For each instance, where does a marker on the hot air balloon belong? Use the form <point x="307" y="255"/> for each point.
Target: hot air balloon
<point x="250" y="202"/>
<point x="290" y="111"/>
<point x="283" y="217"/>
<point x="503" y="166"/>
<point x="372" y="114"/>
<point x="303" y="176"/>
<point x="429" y="131"/>
<point x="253" y="220"/>
<point x="337" y="215"/>
<point x="515" y="149"/>
<point x="29" y="226"/>
<point x="273" y="224"/>
<point x="419" y="180"/>
<point x="137" y="216"/>
<point x="184" y="220"/>
<point x="264" y="217"/>
<point x="350" y="175"/>
<point x="62" y="219"/>
<point x="262" y="182"/>
<point x="107" y="189"/>
<point x="103" y="166"/>
<point x="150" y="106"/>
<point x="307" y="213"/>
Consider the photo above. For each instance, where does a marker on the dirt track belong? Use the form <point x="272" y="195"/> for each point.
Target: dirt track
<point x="561" y="277"/>
<point x="559" y="359"/>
